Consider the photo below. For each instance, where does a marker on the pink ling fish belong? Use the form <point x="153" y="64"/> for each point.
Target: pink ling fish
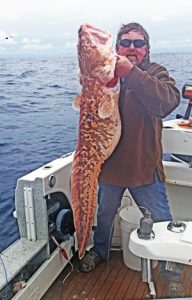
<point x="99" y="124"/>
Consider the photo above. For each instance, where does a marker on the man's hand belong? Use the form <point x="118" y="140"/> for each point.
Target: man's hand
<point x="123" y="66"/>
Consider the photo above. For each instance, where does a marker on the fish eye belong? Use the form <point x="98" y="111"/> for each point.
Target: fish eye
<point x="87" y="43"/>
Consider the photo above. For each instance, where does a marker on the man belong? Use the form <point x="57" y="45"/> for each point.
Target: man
<point x="147" y="95"/>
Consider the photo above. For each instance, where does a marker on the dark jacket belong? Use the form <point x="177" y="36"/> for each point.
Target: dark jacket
<point x="146" y="97"/>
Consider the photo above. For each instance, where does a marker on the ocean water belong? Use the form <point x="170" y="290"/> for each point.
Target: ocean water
<point x="38" y="124"/>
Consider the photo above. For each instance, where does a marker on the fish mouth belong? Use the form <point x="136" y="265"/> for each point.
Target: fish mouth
<point x="97" y="36"/>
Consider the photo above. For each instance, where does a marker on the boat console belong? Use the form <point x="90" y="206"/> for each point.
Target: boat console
<point x="45" y="221"/>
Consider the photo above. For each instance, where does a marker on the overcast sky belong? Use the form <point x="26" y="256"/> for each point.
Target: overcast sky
<point x="49" y="27"/>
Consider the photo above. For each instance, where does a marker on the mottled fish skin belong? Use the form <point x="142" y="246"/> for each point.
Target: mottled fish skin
<point x="99" y="125"/>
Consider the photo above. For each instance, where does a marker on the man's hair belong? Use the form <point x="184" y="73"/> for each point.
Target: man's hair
<point x="125" y="28"/>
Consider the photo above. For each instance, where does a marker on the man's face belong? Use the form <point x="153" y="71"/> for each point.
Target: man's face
<point x="134" y="54"/>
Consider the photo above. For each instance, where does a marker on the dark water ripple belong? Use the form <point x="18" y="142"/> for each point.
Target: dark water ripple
<point x="38" y="123"/>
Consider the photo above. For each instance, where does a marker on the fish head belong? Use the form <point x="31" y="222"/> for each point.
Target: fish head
<point x="96" y="57"/>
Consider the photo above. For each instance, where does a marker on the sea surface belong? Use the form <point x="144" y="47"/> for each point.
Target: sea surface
<point x="38" y="124"/>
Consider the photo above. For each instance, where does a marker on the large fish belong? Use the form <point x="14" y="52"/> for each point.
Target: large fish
<point x="99" y="124"/>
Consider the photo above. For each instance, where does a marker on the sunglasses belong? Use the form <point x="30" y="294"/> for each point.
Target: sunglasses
<point x="137" y="43"/>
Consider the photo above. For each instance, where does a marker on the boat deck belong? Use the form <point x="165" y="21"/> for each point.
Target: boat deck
<point x="109" y="281"/>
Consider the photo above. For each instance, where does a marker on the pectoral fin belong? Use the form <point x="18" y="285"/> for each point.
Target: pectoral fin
<point x="77" y="102"/>
<point x="106" y="107"/>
